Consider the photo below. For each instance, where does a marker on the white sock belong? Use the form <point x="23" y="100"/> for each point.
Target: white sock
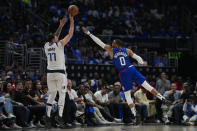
<point x="133" y="111"/>
<point x="48" y="108"/>
<point x="61" y="108"/>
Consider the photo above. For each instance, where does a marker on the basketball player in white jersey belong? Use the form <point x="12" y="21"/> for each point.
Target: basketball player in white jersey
<point x="56" y="70"/>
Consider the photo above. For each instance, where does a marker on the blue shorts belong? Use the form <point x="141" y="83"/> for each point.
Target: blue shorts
<point x="127" y="76"/>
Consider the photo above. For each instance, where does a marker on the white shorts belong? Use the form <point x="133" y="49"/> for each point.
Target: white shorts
<point x="57" y="82"/>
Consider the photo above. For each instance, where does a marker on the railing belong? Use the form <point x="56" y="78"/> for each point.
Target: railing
<point x="12" y="51"/>
<point x="109" y="74"/>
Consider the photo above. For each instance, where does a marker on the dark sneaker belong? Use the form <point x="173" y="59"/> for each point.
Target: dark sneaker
<point x="68" y="125"/>
<point x="47" y="122"/>
<point x="167" y="102"/>
<point x="60" y="121"/>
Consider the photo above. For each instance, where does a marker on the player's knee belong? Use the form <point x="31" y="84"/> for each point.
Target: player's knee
<point x="147" y="86"/>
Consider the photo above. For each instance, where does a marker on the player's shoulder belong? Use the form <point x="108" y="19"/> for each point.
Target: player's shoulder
<point x="59" y="44"/>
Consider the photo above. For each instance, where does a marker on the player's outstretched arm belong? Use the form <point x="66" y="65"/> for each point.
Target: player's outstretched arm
<point x="67" y="38"/>
<point x="97" y="40"/>
<point x="59" y="29"/>
<point x="134" y="56"/>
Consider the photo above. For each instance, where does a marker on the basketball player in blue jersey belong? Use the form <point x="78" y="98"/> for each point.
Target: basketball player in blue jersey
<point x="127" y="72"/>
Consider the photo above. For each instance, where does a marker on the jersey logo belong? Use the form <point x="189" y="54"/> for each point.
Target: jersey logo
<point x="120" y="54"/>
<point x="51" y="49"/>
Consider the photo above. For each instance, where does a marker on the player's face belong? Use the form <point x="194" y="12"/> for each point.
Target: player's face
<point x="55" y="39"/>
<point x="114" y="45"/>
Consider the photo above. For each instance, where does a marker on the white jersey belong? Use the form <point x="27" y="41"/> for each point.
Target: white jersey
<point x="55" y="56"/>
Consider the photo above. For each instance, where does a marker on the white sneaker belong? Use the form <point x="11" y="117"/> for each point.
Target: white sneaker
<point x="78" y="113"/>
<point x="31" y="125"/>
<point x="3" y="117"/>
<point x="158" y="121"/>
<point x="102" y="122"/>
<point x="11" y="116"/>
<point x="39" y="125"/>
<point x="117" y="120"/>
<point x="108" y="122"/>
<point x="15" y="126"/>
<point x="5" y="127"/>
<point x="167" y="121"/>
<point x="133" y="111"/>
<point x="76" y="123"/>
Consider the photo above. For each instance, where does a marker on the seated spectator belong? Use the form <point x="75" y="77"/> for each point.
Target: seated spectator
<point x="36" y="76"/>
<point x="141" y="98"/>
<point x="9" y="89"/>
<point x="102" y="99"/>
<point x="178" y="108"/>
<point x="91" y="59"/>
<point x="38" y="107"/>
<point x="11" y="76"/>
<point x="6" y="104"/>
<point x="89" y="96"/>
<point x="23" y="96"/>
<point x="162" y="85"/>
<point x="118" y="107"/>
<point x="173" y="96"/>
<point x="179" y="83"/>
<point x="159" y="62"/>
<point x="94" y="83"/>
<point x="190" y="120"/>
<point x="187" y="109"/>
<point x="73" y="100"/>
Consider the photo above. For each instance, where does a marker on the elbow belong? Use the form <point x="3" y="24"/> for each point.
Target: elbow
<point x="70" y="35"/>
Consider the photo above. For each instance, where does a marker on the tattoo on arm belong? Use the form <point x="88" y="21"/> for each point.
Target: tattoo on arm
<point x="58" y="31"/>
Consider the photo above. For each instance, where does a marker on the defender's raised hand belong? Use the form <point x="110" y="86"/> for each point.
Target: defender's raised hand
<point x="62" y="22"/>
<point x="87" y="32"/>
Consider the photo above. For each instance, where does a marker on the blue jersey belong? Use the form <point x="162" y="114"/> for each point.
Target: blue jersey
<point x="121" y="59"/>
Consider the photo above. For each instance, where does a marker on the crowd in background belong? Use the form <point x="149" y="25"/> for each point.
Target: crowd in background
<point x="92" y="101"/>
<point x="30" y="23"/>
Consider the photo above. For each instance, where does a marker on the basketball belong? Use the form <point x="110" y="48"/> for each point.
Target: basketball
<point x="73" y="10"/>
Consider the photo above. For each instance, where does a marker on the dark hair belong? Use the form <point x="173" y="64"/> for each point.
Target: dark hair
<point x="19" y="81"/>
<point x="118" y="42"/>
<point x="50" y="37"/>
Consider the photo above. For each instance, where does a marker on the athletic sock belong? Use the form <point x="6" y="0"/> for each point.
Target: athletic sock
<point x="61" y="108"/>
<point x="133" y="111"/>
<point x="48" y="109"/>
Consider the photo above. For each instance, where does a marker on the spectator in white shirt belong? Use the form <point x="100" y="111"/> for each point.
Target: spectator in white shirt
<point x="102" y="96"/>
<point x="73" y="100"/>
<point x="102" y="99"/>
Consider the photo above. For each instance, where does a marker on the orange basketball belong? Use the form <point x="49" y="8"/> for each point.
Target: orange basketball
<point x="73" y="10"/>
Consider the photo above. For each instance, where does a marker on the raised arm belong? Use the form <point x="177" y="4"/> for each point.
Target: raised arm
<point x="134" y="56"/>
<point x="98" y="41"/>
<point x="59" y="29"/>
<point x="67" y="38"/>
